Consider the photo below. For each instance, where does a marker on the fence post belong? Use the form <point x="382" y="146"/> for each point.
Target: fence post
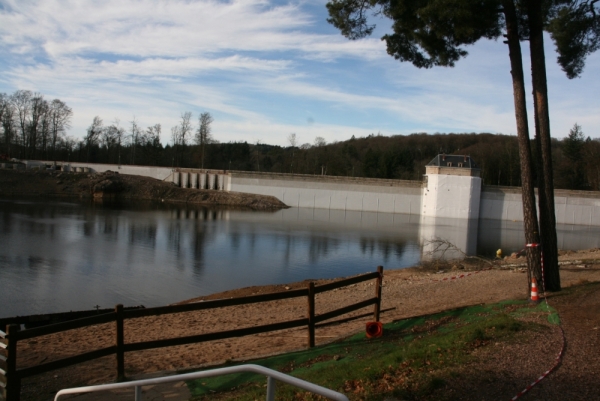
<point x="12" y="389"/>
<point x="377" y="306"/>
<point x="120" y="343"/>
<point x="311" y="314"/>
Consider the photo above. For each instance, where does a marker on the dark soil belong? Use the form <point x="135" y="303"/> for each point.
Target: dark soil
<point x="115" y="186"/>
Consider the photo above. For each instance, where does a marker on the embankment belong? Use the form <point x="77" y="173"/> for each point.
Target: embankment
<point x="112" y="185"/>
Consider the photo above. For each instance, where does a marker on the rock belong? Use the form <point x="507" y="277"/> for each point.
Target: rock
<point x="514" y="255"/>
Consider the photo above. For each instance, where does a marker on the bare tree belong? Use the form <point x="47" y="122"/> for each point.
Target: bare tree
<point x="93" y="134"/>
<point x="293" y="140"/>
<point x="7" y="118"/>
<point x="152" y="142"/>
<point x="320" y="141"/>
<point x="3" y="104"/>
<point x="185" y="130"/>
<point x="45" y="129"/>
<point x="203" y="136"/>
<point x="38" y="107"/>
<point x="152" y="135"/>
<point x="111" y="139"/>
<point x="441" y="249"/>
<point x="67" y="144"/>
<point x="135" y="137"/>
<point x="21" y="101"/>
<point x="60" y="121"/>
<point x="175" y="138"/>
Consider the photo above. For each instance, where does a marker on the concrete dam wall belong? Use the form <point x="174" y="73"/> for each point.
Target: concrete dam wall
<point x="571" y="207"/>
<point x="335" y="193"/>
<point x="361" y="194"/>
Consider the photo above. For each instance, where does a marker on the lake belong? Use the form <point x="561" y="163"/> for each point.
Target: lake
<point x="61" y="256"/>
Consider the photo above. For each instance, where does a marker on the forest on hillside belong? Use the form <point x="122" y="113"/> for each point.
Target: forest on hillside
<point x="34" y="128"/>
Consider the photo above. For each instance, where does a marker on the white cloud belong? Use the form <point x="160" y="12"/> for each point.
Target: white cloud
<point x="257" y="67"/>
<point x="148" y="28"/>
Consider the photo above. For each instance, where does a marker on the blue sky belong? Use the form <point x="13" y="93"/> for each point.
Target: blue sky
<point x="263" y="69"/>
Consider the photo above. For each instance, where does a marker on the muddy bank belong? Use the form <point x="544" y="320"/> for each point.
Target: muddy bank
<point x="112" y="185"/>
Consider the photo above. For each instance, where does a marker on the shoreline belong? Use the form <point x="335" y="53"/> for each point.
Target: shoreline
<point x="406" y="293"/>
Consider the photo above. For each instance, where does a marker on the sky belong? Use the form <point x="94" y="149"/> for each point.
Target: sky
<point x="263" y="69"/>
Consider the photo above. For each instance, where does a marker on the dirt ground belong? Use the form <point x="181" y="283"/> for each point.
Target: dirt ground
<point x="112" y="185"/>
<point x="406" y="293"/>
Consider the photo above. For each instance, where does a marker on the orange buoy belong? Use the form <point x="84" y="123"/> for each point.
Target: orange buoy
<point x="534" y="291"/>
<point x="374" y="329"/>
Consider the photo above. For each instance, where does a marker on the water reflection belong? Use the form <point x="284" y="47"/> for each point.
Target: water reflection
<point x="61" y="256"/>
<point x="68" y="256"/>
<point x="447" y="239"/>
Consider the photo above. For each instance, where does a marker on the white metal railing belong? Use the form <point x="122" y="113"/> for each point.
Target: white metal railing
<point x="272" y="377"/>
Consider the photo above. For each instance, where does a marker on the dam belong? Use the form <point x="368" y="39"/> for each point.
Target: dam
<point x="451" y="188"/>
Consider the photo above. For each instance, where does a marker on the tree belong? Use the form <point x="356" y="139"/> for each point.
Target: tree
<point x="575" y="27"/>
<point x="572" y="169"/>
<point x="320" y="141"/>
<point x="60" y="121"/>
<point x="38" y="106"/>
<point x="175" y="138"/>
<point x="21" y="101"/>
<point x="110" y="140"/>
<point x="203" y="136"/>
<point x="430" y="33"/>
<point x="293" y="140"/>
<point x="134" y="135"/>
<point x="93" y="134"/>
<point x="7" y="118"/>
<point x="185" y="130"/>
<point x="513" y="36"/>
<point x="152" y="142"/>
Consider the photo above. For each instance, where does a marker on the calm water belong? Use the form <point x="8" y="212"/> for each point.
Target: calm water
<point x="60" y="256"/>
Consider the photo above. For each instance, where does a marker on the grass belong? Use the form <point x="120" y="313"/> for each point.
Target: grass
<point x="412" y="360"/>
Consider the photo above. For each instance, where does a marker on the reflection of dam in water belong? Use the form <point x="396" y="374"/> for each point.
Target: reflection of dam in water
<point x="154" y="254"/>
<point x="473" y="237"/>
<point x="450" y="205"/>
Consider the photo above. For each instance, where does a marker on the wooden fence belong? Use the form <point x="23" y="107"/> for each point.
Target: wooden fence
<point x="10" y="376"/>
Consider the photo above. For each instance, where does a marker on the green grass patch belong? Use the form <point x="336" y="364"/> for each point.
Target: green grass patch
<point x="413" y="359"/>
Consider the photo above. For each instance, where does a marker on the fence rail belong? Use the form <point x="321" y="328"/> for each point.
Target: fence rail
<point x="10" y="376"/>
<point x="272" y="377"/>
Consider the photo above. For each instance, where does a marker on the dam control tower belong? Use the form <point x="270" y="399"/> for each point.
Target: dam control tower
<point x="452" y="187"/>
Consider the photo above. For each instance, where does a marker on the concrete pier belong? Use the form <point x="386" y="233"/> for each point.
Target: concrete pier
<point x="185" y="178"/>
<point x="211" y="181"/>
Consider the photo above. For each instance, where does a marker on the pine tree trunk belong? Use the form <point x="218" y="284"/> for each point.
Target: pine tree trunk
<point x="528" y="196"/>
<point x="551" y="272"/>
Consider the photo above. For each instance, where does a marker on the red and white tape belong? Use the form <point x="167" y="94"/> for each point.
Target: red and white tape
<point x="546" y="373"/>
<point x="560" y="354"/>
<point x="564" y="340"/>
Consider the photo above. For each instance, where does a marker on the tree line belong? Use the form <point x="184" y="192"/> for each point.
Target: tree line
<point x="31" y="126"/>
<point x="36" y="131"/>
